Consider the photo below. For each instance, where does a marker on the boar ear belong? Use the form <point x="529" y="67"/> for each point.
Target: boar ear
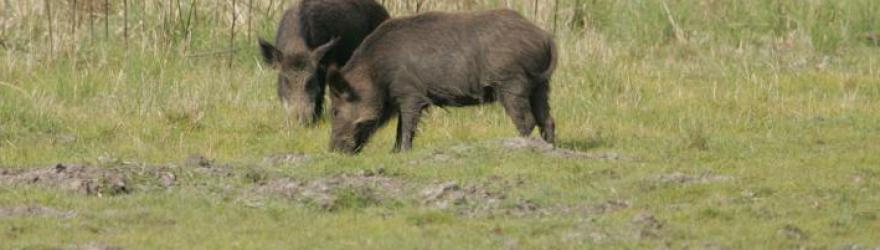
<point x="322" y="54"/>
<point x="271" y="55"/>
<point x="338" y="85"/>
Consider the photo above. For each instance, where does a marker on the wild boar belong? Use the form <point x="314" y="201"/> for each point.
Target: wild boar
<point x="442" y="59"/>
<point x="300" y="59"/>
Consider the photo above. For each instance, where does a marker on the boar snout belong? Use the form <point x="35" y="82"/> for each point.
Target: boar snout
<point x="345" y="146"/>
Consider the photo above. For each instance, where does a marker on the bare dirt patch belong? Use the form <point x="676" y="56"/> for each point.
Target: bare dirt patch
<point x="254" y="185"/>
<point x="34" y="211"/>
<point x="491" y="197"/>
<point x="371" y="187"/>
<point x="468" y="200"/>
<point x="79" y="178"/>
<point x="378" y="188"/>
<point x="91" y="180"/>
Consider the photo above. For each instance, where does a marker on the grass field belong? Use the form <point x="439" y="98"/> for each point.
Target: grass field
<point x="681" y="124"/>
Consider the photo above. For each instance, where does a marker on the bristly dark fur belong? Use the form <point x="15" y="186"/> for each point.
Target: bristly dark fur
<point x="303" y="29"/>
<point x="351" y="20"/>
<point x="443" y="59"/>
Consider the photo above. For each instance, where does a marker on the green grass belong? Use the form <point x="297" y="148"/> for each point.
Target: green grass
<point x="781" y="97"/>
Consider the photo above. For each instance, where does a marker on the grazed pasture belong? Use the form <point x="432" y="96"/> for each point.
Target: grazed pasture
<point x="680" y="124"/>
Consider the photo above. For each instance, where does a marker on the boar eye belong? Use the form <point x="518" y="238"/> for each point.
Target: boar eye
<point x="334" y="113"/>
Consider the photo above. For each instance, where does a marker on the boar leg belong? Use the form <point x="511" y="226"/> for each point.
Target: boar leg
<point x="520" y="111"/>
<point x="540" y="101"/>
<point x="408" y="120"/>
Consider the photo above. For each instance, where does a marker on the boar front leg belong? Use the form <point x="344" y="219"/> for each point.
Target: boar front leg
<point x="407" y="122"/>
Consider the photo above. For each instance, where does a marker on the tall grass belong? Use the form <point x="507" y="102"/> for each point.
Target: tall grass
<point x="166" y="70"/>
<point x="828" y="25"/>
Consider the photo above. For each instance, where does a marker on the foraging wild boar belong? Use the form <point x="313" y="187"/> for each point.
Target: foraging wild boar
<point x="442" y="59"/>
<point x="299" y="57"/>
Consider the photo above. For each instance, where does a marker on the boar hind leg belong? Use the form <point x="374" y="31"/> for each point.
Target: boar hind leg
<point x="520" y="111"/>
<point x="408" y="120"/>
<point x="541" y="108"/>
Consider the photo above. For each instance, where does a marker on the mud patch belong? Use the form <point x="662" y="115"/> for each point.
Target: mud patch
<point x="34" y="211"/>
<point x="537" y="145"/>
<point x="367" y="188"/>
<point x="469" y="200"/>
<point x="680" y="178"/>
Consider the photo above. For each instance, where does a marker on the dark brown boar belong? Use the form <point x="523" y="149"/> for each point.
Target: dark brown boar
<point x="442" y="59"/>
<point x="301" y="60"/>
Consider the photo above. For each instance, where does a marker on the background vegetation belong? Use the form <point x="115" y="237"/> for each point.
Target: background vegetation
<point x="777" y="99"/>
